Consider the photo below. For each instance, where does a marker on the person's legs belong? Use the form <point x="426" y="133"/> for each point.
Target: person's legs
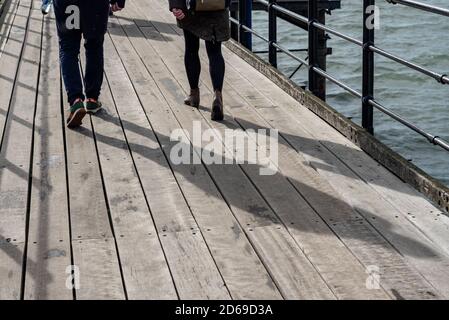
<point x="192" y="58"/>
<point x="217" y="72"/>
<point x="216" y="64"/>
<point x="69" y="49"/>
<point x="94" y="66"/>
<point x="193" y="67"/>
<point x="94" y="73"/>
<point x="94" y="23"/>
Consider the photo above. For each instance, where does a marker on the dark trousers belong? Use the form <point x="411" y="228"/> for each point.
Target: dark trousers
<point x="92" y="27"/>
<point x="193" y="64"/>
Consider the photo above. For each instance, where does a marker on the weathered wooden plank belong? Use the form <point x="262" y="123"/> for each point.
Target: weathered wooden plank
<point x="10" y="53"/>
<point x="97" y="270"/>
<point x="143" y="264"/>
<point x="194" y="280"/>
<point x="297" y="277"/>
<point x="245" y="277"/>
<point x="409" y="240"/>
<point x="185" y="124"/>
<point x="353" y="187"/>
<point x="315" y="193"/>
<point x="96" y="256"/>
<point x="15" y="161"/>
<point x="94" y="248"/>
<point x="406" y="199"/>
<point x="413" y="205"/>
<point x="88" y="211"/>
<point x="256" y="102"/>
<point x="10" y="56"/>
<point x="233" y="181"/>
<point x="49" y="250"/>
<point x="244" y="274"/>
<point x="167" y="204"/>
<point x="225" y="177"/>
<point x="301" y="222"/>
<point x="299" y="218"/>
<point x="145" y="268"/>
<point x="48" y="265"/>
<point x="11" y="258"/>
<point x="170" y="211"/>
<point x="429" y="259"/>
<point x="6" y="21"/>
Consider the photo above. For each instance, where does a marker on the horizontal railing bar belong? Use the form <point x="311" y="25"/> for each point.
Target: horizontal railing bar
<point x="254" y="32"/>
<point x="337" y="33"/>
<point x="440" y="142"/>
<point x="421" y="6"/>
<point x="279" y="51"/>
<point x="291" y="14"/>
<point x="274" y="44"/>
<point x="290" y="54"/>
<point x="337" y="82"/>
<point x="432" y="139"/>
<point x="306" y="21"/>
<point x="264" y="2"/>
<point x="442" y="78"/>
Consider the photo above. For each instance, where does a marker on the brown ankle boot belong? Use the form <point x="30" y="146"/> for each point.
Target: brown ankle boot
<point x="193" y="99"/>
<point x="217" y="107"/>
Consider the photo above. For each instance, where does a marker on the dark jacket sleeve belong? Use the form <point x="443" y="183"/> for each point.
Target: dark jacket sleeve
<point x="179" y="4"/>
<point x="121" y="3"/>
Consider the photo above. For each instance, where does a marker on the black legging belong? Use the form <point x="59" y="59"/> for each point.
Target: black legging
<point x="193" y="64"/>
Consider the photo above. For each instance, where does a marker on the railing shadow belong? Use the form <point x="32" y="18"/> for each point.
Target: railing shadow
<point x="422" y="250"/>
<point x="140" y="23"/>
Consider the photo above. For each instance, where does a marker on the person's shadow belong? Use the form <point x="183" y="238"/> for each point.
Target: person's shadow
<point x="265" y="214"/>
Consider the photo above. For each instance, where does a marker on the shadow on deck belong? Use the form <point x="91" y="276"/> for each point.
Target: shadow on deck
<point x="107" y="206"/>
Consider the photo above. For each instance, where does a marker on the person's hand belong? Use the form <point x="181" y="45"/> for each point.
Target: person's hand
<point x="115" y="7"/>
<point x="179" y="14"/>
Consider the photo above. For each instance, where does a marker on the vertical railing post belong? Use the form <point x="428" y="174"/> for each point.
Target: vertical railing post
<point x="368" y="64"/>
<point x="245" y="18"/>
<point x="272" y="34"/>
<point x="313" y="47"/>
<point x="249" y="24"/>
<point x="234" y="27"/>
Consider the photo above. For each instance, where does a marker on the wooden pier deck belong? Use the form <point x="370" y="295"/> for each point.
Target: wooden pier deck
<point x="107" y="200"/>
